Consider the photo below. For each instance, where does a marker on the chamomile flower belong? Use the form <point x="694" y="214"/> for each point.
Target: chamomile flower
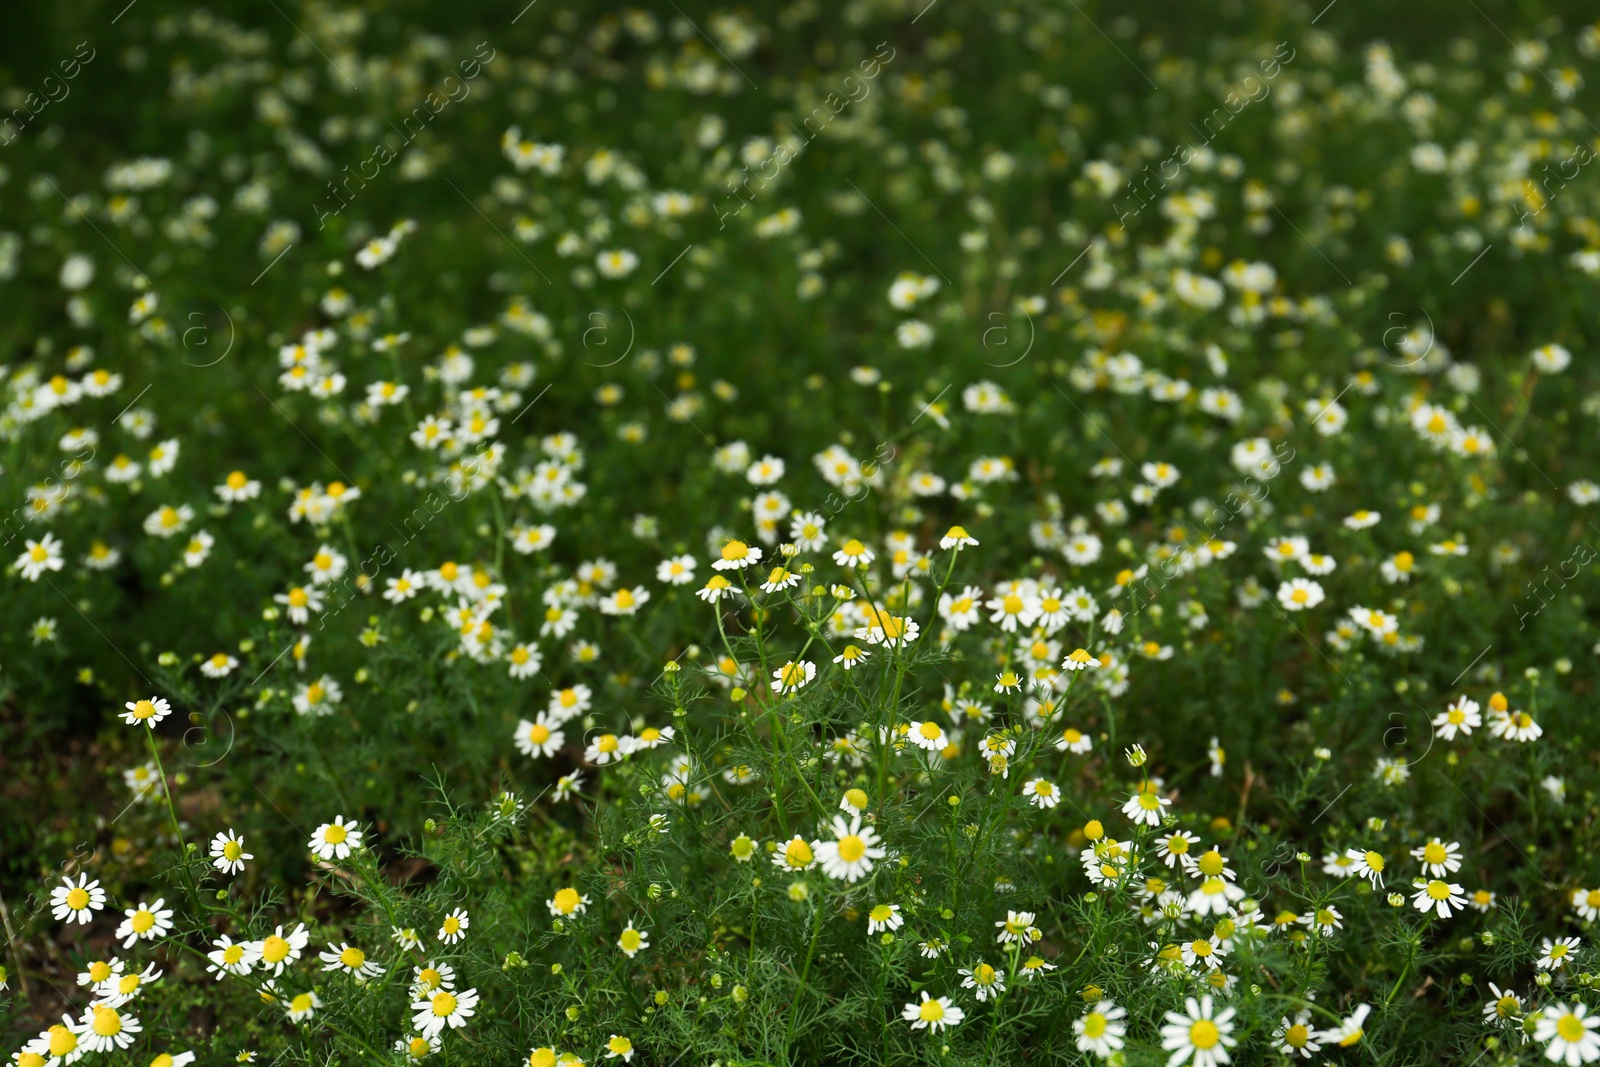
<point x="1516" y="726"/>
<point x="1461" y="716"/>
<point x="541" y="737"/>
<point x="567" y="902"/>
<point x="1586" y="902"/>
<point x="1075" y="741"/>
<point x="1041" y="793"/>
<point x="884" y="917"/>
<point x="794" y="854"/>
<point x="145" y="923"/>
<point x="105" y="1029"/>
<point x="1145" y="807"/>
<point x="632" y="940"/>
<point x="603" y="749"/>
<point x="1367" y="864"/>
<point x="425" y="981"/>
<point x="227" y="852"/>
<point x="349" y="959"/>
<point x="854" y="554"/>
<point x="432" y="1015"/>
<point x="39" y="556"/>
<point x="957" y="538"/>
<point x="984" y="980"/>
<point x="1443" y="898"/>
<point x="1554" y="955"/>
<point x="851" y="656"/>
<point x="1438" y="859"/>
<point x="736" y="555"/>
<point x="146" y="712"/>
<point x="1349" y="1031"/>
<point x="336" y="839"/>
<point x="231" y="957"/>
<point x="929" y="735"/>
<point x="792" y="676"/>
<point x="1295" y="1037"/>
<point x="118" y="990"/>
<point x="1568" y="1032"/>
<point x="1017" y="926"/>
<point x="279" y="949"/>
<point x="679" y="570"/>
<point x="850" y="856"/>
<point x="454" y="926"/>
<point x="932" y="1014"/>
<point x="417" y="1047"/>
<point x="1324" y="920"/>
<point x="77" y="901"/>
<point x="1199" y="1035"/>
<point x="1100" y="1030"/>
<point x="1300" y="594"/>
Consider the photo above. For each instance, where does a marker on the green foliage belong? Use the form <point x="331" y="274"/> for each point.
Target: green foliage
<point x="729" y="536"/>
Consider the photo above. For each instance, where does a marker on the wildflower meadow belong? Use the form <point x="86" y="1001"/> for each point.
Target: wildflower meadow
<point x="879" y="533"/>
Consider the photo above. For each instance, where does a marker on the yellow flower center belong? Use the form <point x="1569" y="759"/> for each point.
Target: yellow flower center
<point x="1203" y="1033"/>
<point x="107" y="1023"/>
<point x="274" y="949"/>
<point x="566" y="900"/>
<point x="353" y="958"/>
<point x="931" y="1011"/>
<point x="734" y="551"/>
<point x="851" y="848"/>
<point x="78" y="899"/>
<point x="798" y="854"/>
<point x="335" y="834"/>
<point x="62" y="1040"/>
<point x="538" y="733"/>
<point x="443" y="1004"/>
